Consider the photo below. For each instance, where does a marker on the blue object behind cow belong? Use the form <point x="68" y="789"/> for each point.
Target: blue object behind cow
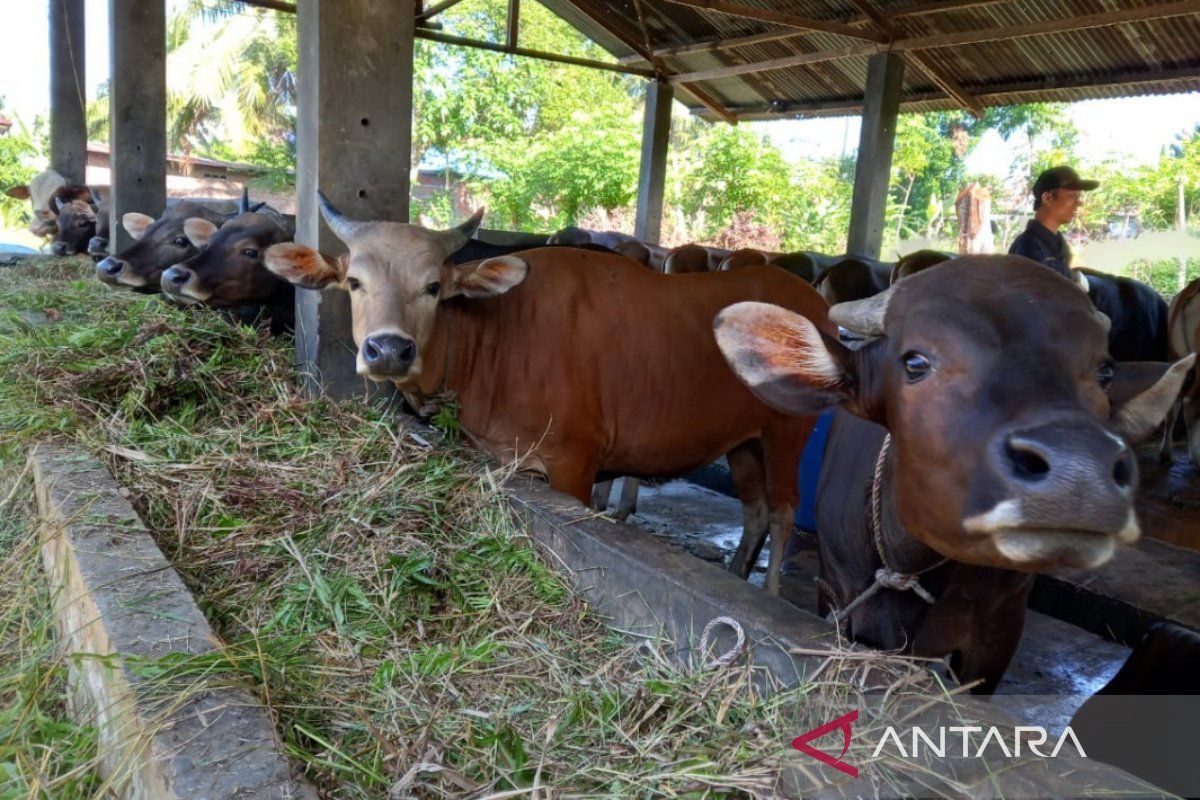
<point x="810" y="472"/>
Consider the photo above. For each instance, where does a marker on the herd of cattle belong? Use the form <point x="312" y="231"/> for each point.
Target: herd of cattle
<point x="986" y="408"/>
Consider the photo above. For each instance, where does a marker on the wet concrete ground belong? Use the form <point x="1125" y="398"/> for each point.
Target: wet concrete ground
<point x="1169" y="496"/>
<point x="1057" y="665"/>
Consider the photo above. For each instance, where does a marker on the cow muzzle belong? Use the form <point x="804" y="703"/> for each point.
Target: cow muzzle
<point x="97" y="248"/>
<point x="1055" y="492"/>
<point x="61" y="248"/>
<point x="109" y="270"/>
<point x="179" y="283"/>
<point x="386" y="356"/>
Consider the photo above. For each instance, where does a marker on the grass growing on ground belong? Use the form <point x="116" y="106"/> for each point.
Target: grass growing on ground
<point x="374" y="591"/>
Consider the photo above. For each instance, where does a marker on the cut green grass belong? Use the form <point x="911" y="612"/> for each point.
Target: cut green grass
<point x="378" y="595"/>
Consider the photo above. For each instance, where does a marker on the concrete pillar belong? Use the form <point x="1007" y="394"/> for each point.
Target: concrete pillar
<point x="353" y="142"/>
<point x="656" y="134"/>
<point x="872" y="169"/>
<point x="137" y="111"/>
<point x="68" y="91"/>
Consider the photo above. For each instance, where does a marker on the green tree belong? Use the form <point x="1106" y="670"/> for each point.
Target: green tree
<point x="19" y="149"/>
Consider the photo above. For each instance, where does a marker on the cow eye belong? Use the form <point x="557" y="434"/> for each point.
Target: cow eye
<point x="181" y="241"/>
<point x="82" y="223"/>
<point x="434" y="289"/>
<point x="250" y="252"/>
<point x="916" y="366"/>
<point x="354" y="284"/>
<point x="1105" y="374"/>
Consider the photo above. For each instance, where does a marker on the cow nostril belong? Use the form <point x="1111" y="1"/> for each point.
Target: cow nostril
<point x="408" y="352"/>
<point x="179" y="277"/>
<point x="1123" y="470"/>
<point x="371" y="351"/>
<point x="113" y="267"/>
<point x="1025" y="460"/>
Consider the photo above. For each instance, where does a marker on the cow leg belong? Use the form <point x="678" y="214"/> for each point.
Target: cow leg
<point x="782" y="445"/>
<point x="1165" y="449"/>
<point x="574" y="475"/>
<point x="600" y="495"/>
<point x="629" y="496"/>
<point x="746" y="468"/>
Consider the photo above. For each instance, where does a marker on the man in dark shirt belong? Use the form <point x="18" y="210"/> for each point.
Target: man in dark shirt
<point x="1055" y="201"/>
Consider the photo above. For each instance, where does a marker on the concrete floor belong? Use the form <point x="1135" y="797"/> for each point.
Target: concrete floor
<point x="1057" y="665"/>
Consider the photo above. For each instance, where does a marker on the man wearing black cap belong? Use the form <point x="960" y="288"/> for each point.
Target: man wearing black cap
<point x="1055" y="201"/>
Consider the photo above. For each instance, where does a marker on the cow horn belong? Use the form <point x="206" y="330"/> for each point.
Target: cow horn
<point x="864" y="317"/>
<point x="244" y="200"/>
<point x="95" y="196"/>
<point x="456" y="238"/>
<point x="58" y="204"/>
<point x="342" y="226"/>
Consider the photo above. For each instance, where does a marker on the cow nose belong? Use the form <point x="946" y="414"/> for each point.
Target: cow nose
<point x="1065" y="473"/>
<point x="110" y="267"/>
<point x="388" y="353"/>
<point x="176" y="276"/>
<point x="1055" y="454"/>
<point x="59" y="249"/>
<point x="97" y="246"/>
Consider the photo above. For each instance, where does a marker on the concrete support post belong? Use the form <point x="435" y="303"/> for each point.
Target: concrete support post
<point x="656" y="133"/>
<point x="353" y="142"/>
<point x="68" y="91"/>
<point x="872" y="169"/>
<point x="137" y="112"/>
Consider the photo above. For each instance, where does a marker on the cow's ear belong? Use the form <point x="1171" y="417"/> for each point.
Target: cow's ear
<point x="18" y="192"/>
<point x="304" y="266"/>
<point x="784" y="358"/>
<point x="1141" y="394"/>
<point x="487" y="278"/>
<point x="199" y="231"/>
<point x="136" y="223"/>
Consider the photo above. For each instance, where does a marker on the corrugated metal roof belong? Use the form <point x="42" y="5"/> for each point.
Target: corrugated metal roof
<point x="1144" y="53"/>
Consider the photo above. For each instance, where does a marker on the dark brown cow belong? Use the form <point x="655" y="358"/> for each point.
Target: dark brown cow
<point x="853" y="278"/>
<point x="1184" y="338"/>
<point x="918" y="261"/>
<point x="526" y="345"/>
<point x="228" y="270"/>
<point x="1009" y="426"/>
<point x="690" y="258"/>
<point x="160" y="243"/>
<point x="1144" y="719"/>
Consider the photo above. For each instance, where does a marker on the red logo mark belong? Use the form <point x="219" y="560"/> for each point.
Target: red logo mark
<point x="801" y="743"/>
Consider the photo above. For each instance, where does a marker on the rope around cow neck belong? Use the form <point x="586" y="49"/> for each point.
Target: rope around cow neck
<point x="886" y="577"/>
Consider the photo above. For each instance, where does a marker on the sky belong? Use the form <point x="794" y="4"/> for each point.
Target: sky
<point x="1134" y="129"/>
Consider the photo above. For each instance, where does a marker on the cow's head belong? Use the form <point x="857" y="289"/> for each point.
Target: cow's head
<point x="228" y="270"/>
<point x="1011" y="425"/>
<point x="77" y="224"/>
<point x="158" y="245"/>
<point x="397" y="276"/>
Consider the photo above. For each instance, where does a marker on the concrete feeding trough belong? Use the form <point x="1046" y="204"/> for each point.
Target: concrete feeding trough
<point x="117" y="603"/>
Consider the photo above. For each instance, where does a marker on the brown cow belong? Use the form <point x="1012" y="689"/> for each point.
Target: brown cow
<point x="1184" y="338"/>
<point x="745" y="257"/>
<point x="1008" y="425"/>
<point x="526" y="344"/>
<point x="82" y="225"/>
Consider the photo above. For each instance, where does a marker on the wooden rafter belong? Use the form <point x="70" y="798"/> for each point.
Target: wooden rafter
<point x="779" y="18"/>
<point x="1104" y="19"/>
<point x="1003" y="94"/>
<point x="718" y="43"/>
<point x="542" y="55"/>
<point x="512" y="30"/>
<point x="1006" y="32"/>
<point x="435" y="9"/>
<point x="940" y="77"/>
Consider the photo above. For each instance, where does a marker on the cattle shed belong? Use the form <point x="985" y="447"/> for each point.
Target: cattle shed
<point x="728" y="60"/>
